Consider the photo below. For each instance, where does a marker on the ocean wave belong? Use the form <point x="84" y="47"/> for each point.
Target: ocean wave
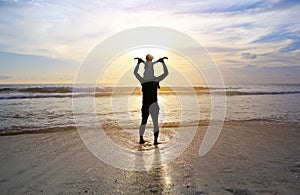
<point x="26" y="92"/>
<point x="166" y="125"/>
<point x="53" y="95"/>
<point x="54" y="89"/>
<point x="37" y="131"/>
<point x="52" y="92"/>
<point x="37" y="90"/>
<point x="31" y="96"/>
<point x="234" y="93"/>
<point x="71" y="89"/>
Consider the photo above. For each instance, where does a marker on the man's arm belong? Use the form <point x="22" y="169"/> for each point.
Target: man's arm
<point x="164" y="75"/>
<point x="140" y="60"/>
<point x="136" y="73"/>
<point x="155" y="62"/>
<point x="160" y="60"/>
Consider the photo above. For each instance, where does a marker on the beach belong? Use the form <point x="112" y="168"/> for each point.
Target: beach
<point x="250" y="157"/>
<point x="42" y="150"/>
<point x="139" y="97"/>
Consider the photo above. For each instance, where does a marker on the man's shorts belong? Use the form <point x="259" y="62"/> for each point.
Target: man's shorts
<point x="150" y="108"/>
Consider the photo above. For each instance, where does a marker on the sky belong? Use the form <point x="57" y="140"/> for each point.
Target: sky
<point x="45" y="41"/>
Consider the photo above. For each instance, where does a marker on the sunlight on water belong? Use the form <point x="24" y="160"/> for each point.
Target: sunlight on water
<point x="35" y="110"/>
<point x="125" y="110"/>
<point x="170" y="108"/>
<point x="166" y="178"/>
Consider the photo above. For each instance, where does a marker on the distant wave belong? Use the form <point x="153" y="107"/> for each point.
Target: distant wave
<point x="38" y="90"/>
<point x="63" y="92"/>
<point x="86" y="91"/>
<point x="53" y="95"/>
<point x="52" y="92"/>
<point x="233" y="93"/>
<point x="91" y="89"/>
<point x="29" y="96"/>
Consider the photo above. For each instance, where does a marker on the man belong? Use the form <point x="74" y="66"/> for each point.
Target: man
<point x="150" y="105"/>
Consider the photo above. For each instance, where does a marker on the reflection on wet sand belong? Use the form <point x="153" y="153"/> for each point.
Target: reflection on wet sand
<point x="161" y="180"/>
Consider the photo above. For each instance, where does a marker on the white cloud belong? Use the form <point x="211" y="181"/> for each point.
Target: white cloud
<point x="70" y="29"/>
<point x="4" y="77"/>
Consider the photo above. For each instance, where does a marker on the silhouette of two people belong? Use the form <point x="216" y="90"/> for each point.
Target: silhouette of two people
<point x="150" y="85"/>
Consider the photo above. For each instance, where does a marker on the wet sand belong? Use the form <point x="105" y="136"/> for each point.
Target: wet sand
<point x="250" y="157"/>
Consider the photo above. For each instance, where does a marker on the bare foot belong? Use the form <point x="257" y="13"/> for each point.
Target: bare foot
<point x="142" y="141"/>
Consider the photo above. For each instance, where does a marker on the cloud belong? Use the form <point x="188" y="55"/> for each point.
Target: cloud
<point x="222" y="49"/>
<point x="248" y="55"/>
<point x="286" y="35"/>
<point x="4" y="77"/>
<point x="274" y="59"/>
<point x="293" y="46"/>
<point x="254" y="74"/>
<point x="227" y="28"/>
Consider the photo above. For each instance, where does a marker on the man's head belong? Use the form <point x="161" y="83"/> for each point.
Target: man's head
<point x="149" y="57"/>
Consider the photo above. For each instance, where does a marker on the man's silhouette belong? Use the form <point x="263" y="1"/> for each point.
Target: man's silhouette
<point x="150" y="105"/>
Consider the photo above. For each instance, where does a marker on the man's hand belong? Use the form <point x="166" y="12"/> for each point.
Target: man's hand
<point x="162" y="59"/>
<point x="139" y="60"/>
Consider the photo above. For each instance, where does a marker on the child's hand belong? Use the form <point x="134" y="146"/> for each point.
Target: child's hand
<point x="139" y="60"/>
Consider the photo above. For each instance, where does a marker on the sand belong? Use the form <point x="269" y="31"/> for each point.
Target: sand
<point x="254" y="157"/>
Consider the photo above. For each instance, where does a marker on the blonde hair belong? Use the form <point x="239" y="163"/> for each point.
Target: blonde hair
<point x="149" y="57"/>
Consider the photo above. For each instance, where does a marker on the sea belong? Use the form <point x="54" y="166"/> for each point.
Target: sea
<point x="37" y="107"/>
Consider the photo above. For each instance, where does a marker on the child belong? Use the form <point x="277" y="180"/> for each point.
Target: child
<point x="149" y="71"/>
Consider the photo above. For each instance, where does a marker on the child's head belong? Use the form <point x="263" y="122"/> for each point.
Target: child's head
<point x="149" y="57"/>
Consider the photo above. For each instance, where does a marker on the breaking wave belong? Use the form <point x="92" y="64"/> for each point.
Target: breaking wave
<point x="85" y="91"/>
<point x="233" y="93"/>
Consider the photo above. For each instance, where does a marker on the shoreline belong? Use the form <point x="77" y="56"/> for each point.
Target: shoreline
<point x="164" y="125"/>
<point x="248" y="158"/>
